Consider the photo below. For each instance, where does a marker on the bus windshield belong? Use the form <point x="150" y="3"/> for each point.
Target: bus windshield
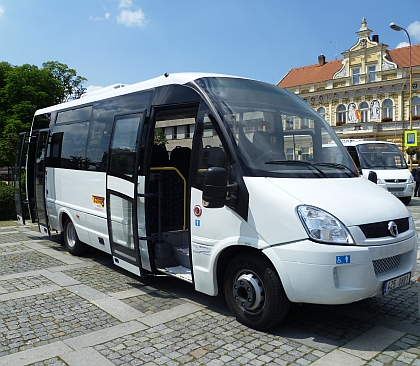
<point x="277" y="134"/>
<point x="380" y="156"/>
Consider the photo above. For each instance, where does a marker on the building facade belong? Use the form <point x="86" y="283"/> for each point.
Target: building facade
<point x="365" y="95"/>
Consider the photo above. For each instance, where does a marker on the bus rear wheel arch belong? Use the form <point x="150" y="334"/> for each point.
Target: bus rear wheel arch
<point x="71" y="240"/>
<point x="254" y="292"/>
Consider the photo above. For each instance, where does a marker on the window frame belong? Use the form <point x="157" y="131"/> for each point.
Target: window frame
<point x="341" y="114"/>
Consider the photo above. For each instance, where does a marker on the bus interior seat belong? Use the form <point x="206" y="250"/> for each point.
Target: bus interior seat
<point x="262" y="143"/>
<point x="261" y="139"/>
<point x="160" y="157"/>
<point x="180" y="159"/>
<point x="214" y="156"/>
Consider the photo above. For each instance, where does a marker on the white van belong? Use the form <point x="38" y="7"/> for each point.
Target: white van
<point x="244" y="199"/>
<point x="387" y="161"/>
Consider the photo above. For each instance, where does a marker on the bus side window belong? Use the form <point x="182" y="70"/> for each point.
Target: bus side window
<point x="97" y="146"/>
<point x="353" y="153"/>
<point x="211" y="152"/>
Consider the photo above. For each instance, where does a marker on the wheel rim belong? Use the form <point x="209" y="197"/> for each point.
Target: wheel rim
<point x="248" y="291"/>
<point x="71" y="235"/>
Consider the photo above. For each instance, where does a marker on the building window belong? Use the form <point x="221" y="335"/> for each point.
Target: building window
<point x="364" y="112"/>
<point x="415" y="104"/>
<point x="341" y="114"/>
<point x="321" y="111"/>
<point x="371" y="74"/>
<point x="355" y="76"/>
<point x="388" y="110"/>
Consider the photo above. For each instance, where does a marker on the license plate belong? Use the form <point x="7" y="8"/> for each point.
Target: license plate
<point x="395" y="283"/>
<point x="397" y="193"/>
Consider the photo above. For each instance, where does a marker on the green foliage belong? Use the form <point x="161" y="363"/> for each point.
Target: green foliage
<point x="26" y="88"/>
<point x="70" y="82"/>
<point x="412" y="150"/>
<point x="7" y="202"/>
<point x="160" y="138"/>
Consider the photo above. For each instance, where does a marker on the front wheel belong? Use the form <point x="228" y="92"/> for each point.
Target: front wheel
<point x="71" y="240"/>
<point x="254" y="292"/>
<point x="405" y="200"/>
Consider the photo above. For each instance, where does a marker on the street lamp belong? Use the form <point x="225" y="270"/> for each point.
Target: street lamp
<point x="398" y="28"/>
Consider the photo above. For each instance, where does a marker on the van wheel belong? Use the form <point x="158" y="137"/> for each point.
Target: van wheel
<point x="405" y="200"/>
<point x="71" y="240"/>
<point x="254" y="292"/>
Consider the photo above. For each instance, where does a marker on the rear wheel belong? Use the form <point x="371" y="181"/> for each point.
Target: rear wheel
<point x="71" y="240"/>
<point x="254" y="292"/>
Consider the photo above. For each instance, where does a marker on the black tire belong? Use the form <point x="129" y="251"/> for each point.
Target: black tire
<point x="71" y="240"/>
<point x="254" y="293"/>
<point x="405" y="200"/>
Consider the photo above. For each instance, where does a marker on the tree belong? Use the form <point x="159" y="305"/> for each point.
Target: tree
<point x="69" y="80"/>
<point x="160" y="138"/>
<point x="26" y="88"/>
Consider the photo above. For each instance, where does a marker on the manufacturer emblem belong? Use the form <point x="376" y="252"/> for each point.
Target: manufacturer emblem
<point x="393" y="228"/>
<point x="396" y="181"/>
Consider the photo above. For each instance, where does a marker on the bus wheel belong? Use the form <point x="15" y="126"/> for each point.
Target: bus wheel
<point x="254" y="292"/>
<point x="71" y="240"/>
<point x="405" y="200"/>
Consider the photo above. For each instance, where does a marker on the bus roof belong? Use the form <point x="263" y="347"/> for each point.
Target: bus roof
<point x="121" y="89"/>
<point x="355" y="142"/>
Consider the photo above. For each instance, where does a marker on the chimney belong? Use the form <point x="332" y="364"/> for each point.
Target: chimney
<point x="321" y="60"/>
<point x="375" y="38"/>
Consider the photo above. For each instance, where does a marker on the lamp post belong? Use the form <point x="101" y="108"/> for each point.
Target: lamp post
<point x="398" y="28"/>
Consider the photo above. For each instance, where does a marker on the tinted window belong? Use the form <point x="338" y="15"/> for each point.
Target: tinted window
<point x="41" y="121"/>
<point x="123" y="149"/>
<point x="73" y="115"/>
<point x="98" y="144"/>
<point x="68" y="146"/>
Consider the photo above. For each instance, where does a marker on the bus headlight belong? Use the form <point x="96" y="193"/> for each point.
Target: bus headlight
<point x="323" y="227"/>
<point x="410" y="179"/>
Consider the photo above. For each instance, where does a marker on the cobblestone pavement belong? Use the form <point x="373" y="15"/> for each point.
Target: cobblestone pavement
<point x="56" y="309"/>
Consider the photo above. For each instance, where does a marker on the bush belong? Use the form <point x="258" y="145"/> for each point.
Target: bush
<point x="7" y="202"/>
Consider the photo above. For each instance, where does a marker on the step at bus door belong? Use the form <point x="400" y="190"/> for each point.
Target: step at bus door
<point x="18" y="172"/>
<point x="40" y="175"/>
<point x="121" y="193"/>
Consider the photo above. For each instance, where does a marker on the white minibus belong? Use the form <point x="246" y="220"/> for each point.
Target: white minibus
<point x="222" y="182"/>
<point x="387" y="161"/>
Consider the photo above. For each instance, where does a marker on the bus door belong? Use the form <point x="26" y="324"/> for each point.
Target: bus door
<point x="121" y="191"/>
<point x="40" y="175"/>
<point x="18" y="172"/>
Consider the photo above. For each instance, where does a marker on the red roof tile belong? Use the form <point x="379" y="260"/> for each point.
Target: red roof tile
<point x="315" y="74"/>
<point x="401" y="56"/>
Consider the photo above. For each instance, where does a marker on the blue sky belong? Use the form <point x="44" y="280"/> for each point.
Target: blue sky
<point x="126" y="41"/>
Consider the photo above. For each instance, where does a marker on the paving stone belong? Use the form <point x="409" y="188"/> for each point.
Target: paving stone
<point x="32" y="318"/>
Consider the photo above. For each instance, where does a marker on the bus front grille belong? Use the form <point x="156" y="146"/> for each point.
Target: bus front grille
<point x="386" y="264"/>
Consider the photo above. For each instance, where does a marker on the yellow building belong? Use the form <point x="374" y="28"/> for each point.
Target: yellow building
<point x="366" y="94"/>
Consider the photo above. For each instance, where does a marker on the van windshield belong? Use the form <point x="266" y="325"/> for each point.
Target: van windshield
<point x="275" y="133"/>
<point x="380" y="156"/>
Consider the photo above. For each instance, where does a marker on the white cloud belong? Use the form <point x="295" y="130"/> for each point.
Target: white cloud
<point x="402" y="44"/>
<point x="131" y="18"/>
<point x="414" y="30"/>
<point x="1" y="11"/>
<point x="125" y="4"/>
<point x="107" y="16"/>
<point x="92" y="88"/>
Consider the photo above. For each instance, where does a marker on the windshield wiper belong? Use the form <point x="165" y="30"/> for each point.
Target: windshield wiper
<point x="337" y="166"/>
<point x="296" y="162"/>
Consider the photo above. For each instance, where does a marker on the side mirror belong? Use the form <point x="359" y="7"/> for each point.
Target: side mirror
<point x="373" y="177"/>
<point x="216" y="189"/>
